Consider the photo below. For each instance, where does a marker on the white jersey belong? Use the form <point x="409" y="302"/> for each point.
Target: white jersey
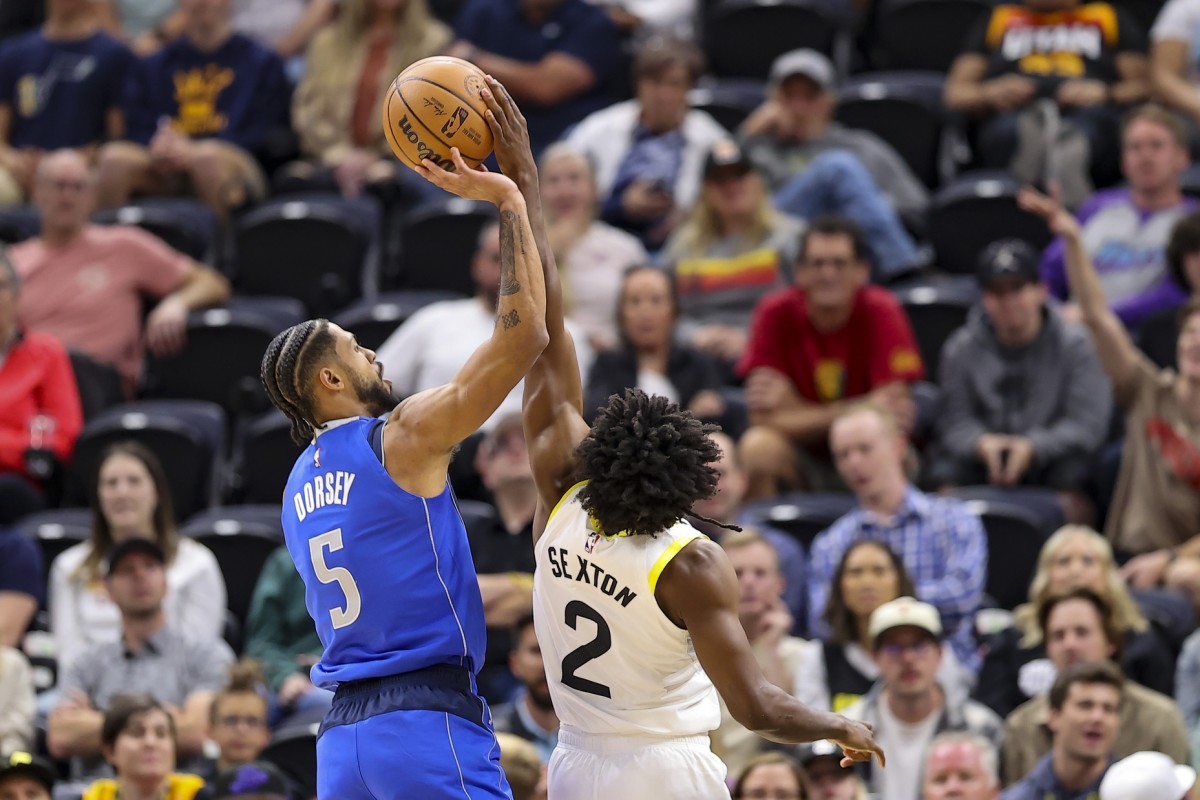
<point x="615" y="663"/>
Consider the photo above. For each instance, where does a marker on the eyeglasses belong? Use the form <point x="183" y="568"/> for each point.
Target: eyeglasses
<point x="249" y="722"/>
<point x="770" y="794"/>
<point x="838" y="264"/>
<point x="919" y="648"/>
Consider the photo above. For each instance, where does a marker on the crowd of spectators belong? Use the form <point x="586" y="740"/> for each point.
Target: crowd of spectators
<point x="758" y="270"/>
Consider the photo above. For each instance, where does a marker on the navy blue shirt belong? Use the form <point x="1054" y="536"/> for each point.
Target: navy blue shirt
<point x="237" y="93"/>
<point x="1042" y="784"/>
<point x="575" y="28"/>
<point x="61" y="91"/>
<point x="21" y="566"/>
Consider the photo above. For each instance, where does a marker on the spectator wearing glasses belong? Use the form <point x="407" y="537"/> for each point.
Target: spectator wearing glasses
<point x="237" y="720"/>
<point x="772" y="776"/>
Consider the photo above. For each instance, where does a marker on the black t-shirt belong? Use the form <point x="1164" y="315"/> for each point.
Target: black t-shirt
<point x="1082" y="42"/>
<point x="494" y="550"/>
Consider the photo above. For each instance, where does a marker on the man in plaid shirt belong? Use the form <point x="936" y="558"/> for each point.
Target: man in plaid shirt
<point x="941" y="543"/>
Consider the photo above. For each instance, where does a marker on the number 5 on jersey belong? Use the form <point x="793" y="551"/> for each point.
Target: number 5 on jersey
<point x="339" y="575"/>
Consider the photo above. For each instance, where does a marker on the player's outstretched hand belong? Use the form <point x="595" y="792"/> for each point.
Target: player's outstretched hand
<point x="858" y="744"/>
<point x="473" y="184"/>
<point x="510" y="132"/>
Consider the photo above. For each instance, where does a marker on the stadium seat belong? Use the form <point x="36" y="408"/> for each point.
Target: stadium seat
<point x="927" y="397"/>
<point x="729" y="101"/>
<point x="99" y="384"/>
<point x="924" y="34"/>
<point x="975" y="210"/>
<point x="743" y="37"/>
<point x="934" y="313"/>
<point x="18" y="223"/>
<point x="905" y="110"/>
<point x="221" y="360"/>
<point x="185" y="224"/>
<point x="294" y="752"/>
<point x="187" y="436"/>
<point x="803" y="515"/>
<point x="374" y="320"/>
<point x="1015" y="540"/>
<point x="55" y="531"/>
<point x="316" y="249"/>
<point x="476" y="515"/>
<point x="436" y="246"/>
<point x="264" y="456"/>
<point x="241" y="537"/>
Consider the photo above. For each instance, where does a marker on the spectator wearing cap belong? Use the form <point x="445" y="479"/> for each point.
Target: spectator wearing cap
<point x="907" y="707"/>
<point x="732" y="249"/>
<point x="1025" y="400"/>
<point x="827" y="778"/>
<point x="181" y="669"/>
<point x="1083" y="716"/>
<point x="258" y="780"/>
<point x="796" y="124"/>
<point x="24" y="776"/>
<point x="1126" y="230"/>
<point x="649" y="151"/>
<point x="941" y="543"/>
<point x="1158" y="335"/>
<point x="1079" y="627"/>
<point x="816" y="347"/>
<point x="961" y="766"/>
<point x="40" y="414"/>
<point x="1148" y="775"/>
<point x="16" y="701"/>
<point x="816" y="167"/>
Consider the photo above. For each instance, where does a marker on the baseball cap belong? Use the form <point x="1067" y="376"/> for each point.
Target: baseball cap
<point x="1147" y="776"/>
<point x="809" y="63"/>
<point x="905" y="612"/>
<point x="134" y="545"/>
<point x="29" y="765"/>
<point x="1008" y="259"/>
<point x="822" y="748"/>
<point x="256" y="778"/>
<point x="726" y="153"/>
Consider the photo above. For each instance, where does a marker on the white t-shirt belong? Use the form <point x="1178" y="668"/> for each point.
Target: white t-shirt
<point x="592" y="275"/>
<point x="431" y="347"/>
<point x="267" y="21"/>
<point x="905" y="747"/>
<point x="1178" y="21"/>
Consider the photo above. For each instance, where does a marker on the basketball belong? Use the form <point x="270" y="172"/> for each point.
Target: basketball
<point x="434" y="105"/>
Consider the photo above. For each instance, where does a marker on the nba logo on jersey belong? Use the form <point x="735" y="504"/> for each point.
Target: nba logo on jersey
<point x="592" y="540"/>
<point x="317" y="458"/>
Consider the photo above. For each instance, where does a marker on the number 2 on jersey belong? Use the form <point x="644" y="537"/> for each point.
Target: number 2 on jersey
<point x="339" y="575"/>
<point x="586" y="652"/>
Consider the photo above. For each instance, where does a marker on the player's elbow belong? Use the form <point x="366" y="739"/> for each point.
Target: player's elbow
<point x="752" y="713"/>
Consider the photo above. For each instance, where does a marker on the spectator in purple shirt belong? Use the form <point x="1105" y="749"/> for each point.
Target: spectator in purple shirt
<point x="1126" y="230"/>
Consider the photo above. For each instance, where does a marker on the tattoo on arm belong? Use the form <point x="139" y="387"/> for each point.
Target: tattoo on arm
<point x="510" y="228"/>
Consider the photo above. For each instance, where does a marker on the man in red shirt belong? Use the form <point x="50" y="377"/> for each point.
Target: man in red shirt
<point x="814" y="346"/>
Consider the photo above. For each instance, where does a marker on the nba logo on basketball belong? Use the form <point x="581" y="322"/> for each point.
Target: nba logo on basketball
<point x="455" y="122"/>
<point x="592" y="540"/>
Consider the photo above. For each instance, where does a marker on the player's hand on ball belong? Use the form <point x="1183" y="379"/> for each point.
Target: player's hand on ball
<point x="510" y="133"/>
<point x="473" y="184"/>
<point x="858" y="744"/>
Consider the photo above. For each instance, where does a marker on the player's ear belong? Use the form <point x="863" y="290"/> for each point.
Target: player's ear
<point x="330" y="379"/>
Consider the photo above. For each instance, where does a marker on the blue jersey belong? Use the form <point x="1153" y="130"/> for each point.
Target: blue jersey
<point x="388" y="576"/>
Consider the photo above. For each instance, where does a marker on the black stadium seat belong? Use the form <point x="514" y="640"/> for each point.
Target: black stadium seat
<point x="55" y="531"/>
<point x="934" y="312"/>
<point x="185" y="224"/>
<point x="187" y="436"/>
<point x="1015" y="541"/>
<point x="436" y="246"/>
<point x="265" y="454"/>
<point x="294" y="752"/>
<point x="803" y="515"/>
<point x="743" y="37"/>
<point x="728" y="100"/>
<point x="99" y="384"/>
<point x="374" y="320"/>
<point x="975" y="210"/>
<point x="925" y="34"/>
<point x="241" y="537"/>
<point x="316" y="249"/>
<point x="18" y="223"/>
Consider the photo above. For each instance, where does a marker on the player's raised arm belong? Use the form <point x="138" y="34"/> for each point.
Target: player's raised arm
<point x="433" y="422"/>
<point x="553" y="405"/>
<point x="699" y="590"/>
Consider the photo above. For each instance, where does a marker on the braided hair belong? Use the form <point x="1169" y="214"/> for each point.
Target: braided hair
<point x="287" y="370"/>
<point x="646" y="461"/>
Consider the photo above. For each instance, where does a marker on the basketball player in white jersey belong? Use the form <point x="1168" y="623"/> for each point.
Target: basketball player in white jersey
<point x="636" y="612"/>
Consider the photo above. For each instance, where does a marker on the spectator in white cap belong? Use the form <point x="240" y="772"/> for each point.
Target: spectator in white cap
<point x="1148" y="776"/>
<point x="815" y="166"/>
<point x="907" y="707"/>
<point x="961" y="766"/>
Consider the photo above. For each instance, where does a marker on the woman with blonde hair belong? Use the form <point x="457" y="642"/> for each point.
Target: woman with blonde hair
<point x="131" y="498"/>
<point x="592" y="256"/>
<point x="1015" y="667"/>
<point x="733" y="248"/>
<point x="337" y="108"/>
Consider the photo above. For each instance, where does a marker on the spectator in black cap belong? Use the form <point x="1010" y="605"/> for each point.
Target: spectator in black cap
<point x="827" y="778"/>
<point x="24" y="776"/>
<point x="1026" y="401"/>
<point x="255" y="781"/>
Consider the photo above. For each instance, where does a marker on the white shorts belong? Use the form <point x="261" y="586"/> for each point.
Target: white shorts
<point x="585" y="767"/>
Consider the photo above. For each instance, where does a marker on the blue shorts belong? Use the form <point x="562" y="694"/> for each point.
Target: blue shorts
<point x="425" y="734"/>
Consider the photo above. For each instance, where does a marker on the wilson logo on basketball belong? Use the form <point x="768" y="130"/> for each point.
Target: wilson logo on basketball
<point x="455" y="122"/>
<point x="424" y="151"/>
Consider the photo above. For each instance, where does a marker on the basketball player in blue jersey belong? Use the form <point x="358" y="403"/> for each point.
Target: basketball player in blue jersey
<point x="636" y="612"/>
<point x="371" y="523"/>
